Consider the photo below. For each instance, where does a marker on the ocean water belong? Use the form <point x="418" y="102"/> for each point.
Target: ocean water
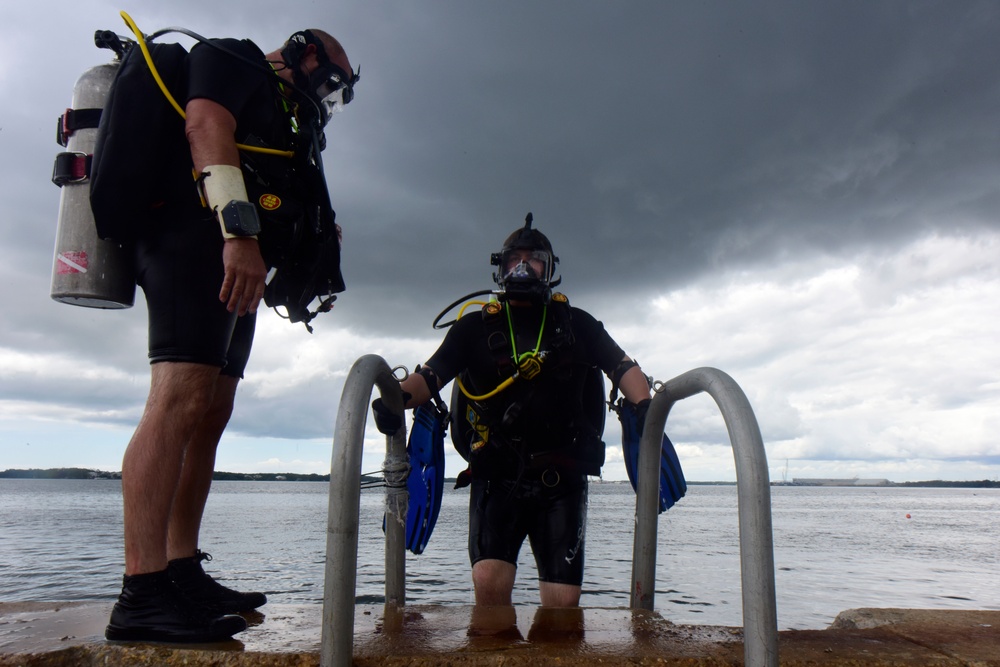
<point x="835" y="548"/>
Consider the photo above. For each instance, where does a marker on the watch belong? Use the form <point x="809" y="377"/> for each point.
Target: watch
<point x="240" y="220"/>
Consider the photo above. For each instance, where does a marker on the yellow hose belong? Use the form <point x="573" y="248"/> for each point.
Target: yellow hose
<point x="141" y="41"/>
<point x="467" y="304"/>
<point x="503" y="385"/>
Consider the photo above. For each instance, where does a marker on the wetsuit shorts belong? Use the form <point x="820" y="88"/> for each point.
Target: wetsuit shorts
<point x="553" y="518"/>
<point x="179" y="267"/>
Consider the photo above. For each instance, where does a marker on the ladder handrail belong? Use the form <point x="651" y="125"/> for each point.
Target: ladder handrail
<point x="753" y="491"/>
<point x="340" y="582"/>
<point x="760" y="622"/>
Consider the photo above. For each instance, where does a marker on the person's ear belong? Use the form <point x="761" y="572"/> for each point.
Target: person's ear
<point x="310" y="60"/>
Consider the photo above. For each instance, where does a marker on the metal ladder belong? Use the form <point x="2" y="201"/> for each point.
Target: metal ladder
<point x="756" y="548"/>
<point x="369" y="371"/>
<point x="760" y="619"/>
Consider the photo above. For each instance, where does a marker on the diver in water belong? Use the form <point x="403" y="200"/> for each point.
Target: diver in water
<point x="526" y="370"/>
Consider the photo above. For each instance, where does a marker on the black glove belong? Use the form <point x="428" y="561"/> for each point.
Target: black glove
<point x="386" y="421"/>
<point x="464" y="479"/>
<point x="641" y="408"/>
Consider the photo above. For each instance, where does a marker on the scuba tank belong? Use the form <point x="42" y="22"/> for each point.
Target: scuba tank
<point x="87" y="270"/>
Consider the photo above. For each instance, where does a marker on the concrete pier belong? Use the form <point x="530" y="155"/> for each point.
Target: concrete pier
<point x="72" y="634"/>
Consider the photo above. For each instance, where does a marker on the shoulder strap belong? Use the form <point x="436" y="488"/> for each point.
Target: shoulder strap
<point x="497" y="339"/>
<point x="562" y="322"/>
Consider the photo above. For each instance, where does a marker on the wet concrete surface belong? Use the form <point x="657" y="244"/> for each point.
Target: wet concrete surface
<point x="54" y="634"/>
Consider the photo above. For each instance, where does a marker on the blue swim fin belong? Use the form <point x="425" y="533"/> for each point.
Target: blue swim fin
<point x="673" y="486"/>
<point x="425" y="483"/>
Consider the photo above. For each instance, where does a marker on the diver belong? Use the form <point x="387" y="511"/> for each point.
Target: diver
<point x="525" y="366"/>
<point x="203" y="247"/>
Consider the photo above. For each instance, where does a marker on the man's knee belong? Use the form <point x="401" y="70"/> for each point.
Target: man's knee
<point x="223" y="399"/>
<point x="493" y="581"/>
<point x="186" y="390"/>
<point x="559" y="595"/>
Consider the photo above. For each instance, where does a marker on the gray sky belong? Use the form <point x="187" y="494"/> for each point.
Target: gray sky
<point x="801" y="194"/>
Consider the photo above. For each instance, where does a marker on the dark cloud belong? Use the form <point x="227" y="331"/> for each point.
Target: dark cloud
<point x="662" y="141"/>
<point x="657" y="144"/>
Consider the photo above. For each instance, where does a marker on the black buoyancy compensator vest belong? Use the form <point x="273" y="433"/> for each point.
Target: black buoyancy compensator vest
<point x="299" y="231"/>
<point x="490" y="429"/>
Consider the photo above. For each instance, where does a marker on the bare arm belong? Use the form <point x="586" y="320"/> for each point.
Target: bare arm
<point x="210" y="130"/>
<point x="416" y="386"/>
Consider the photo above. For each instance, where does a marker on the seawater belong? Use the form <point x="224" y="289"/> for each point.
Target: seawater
<point x="835" y="548"/>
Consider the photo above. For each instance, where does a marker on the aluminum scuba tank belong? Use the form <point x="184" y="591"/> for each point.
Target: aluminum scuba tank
<point x="87" y="270"/>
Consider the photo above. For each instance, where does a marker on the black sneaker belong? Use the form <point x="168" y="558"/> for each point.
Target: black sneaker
<point x="151" y="608"/>
<point x="201" y="589"/>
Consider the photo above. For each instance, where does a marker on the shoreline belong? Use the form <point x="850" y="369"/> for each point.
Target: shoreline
<point x="223" y="476"/>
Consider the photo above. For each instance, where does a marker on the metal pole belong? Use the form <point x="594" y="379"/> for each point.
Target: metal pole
<point x="397" y="469"/>
<point x="760" y="620"/>
<point x="647" y="505"/>
<point x="345" y="504"/>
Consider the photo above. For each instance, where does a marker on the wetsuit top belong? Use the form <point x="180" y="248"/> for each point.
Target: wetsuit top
<point x="248" y="93"/>
<point x="536" y="417"/>
<point x="264" y="117"/>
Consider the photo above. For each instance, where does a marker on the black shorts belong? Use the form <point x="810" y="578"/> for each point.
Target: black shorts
<point x="179" y="268"/>
<point x="553" y="518"/>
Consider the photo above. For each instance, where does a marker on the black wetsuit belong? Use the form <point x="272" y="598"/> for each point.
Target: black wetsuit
<point x="536" y="442"/>
<point x="179" y="248"/>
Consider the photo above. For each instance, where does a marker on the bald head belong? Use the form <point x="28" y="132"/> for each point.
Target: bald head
<point x="334" y="51"/>
<point x="305" y="54"/>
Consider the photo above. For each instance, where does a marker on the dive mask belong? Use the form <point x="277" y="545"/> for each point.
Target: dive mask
<point x="328" y="86"/>
<point x="523" y="264"/>
<point x="335" y="90"/>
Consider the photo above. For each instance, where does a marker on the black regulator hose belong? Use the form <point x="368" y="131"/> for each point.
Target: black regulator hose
<point x="444" y="312"/>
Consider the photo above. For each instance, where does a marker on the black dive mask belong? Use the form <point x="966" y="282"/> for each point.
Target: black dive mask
<point x="329" y="87"/>
<point x="526" y="265"/>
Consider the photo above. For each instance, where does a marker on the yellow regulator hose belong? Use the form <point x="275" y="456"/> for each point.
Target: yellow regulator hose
<point x="141" y="41"/>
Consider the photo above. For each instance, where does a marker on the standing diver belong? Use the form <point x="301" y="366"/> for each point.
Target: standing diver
<point x="203" y="249"/>
<point x="525" y="367"/>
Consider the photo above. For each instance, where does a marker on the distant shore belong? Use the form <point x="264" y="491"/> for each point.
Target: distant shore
<point x="87" y="473"/>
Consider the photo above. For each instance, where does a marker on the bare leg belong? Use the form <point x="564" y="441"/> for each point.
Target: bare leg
<point x="493" y="581"/>
<point x="179" y="396"/>
<point x="196" y="474"/>
<point x="559" y="595"/>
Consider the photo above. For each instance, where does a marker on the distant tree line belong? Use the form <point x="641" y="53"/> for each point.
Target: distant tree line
<point x="59" y="473"/>
<point x="86" y="473"/>
<point x="268" y="477"/>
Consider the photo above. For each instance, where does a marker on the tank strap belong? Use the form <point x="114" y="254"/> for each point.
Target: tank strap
<point x="76" y="119"/>
<point x="71" y="167"/>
